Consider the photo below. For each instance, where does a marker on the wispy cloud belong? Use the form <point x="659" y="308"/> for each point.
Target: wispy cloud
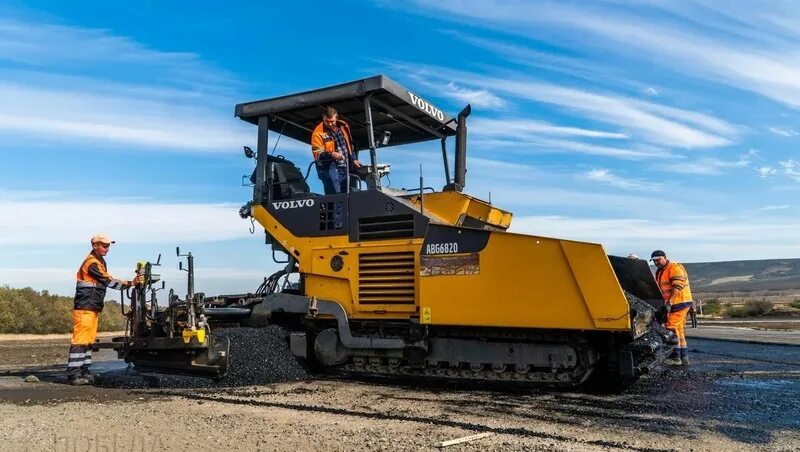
<point x="132" y="222"/>
<point x="739" y="44"/>
<point x="780" y="207"/>
<point x="791" y="168"/>
<point x="533" y="145"/>
<point x="519" y="127"/>
<point x="607" y="177"/>
<point x="658" y="124"/>
<point x="765" y="171"/>
<point x="211" y="280"/>
<point x="477" y="97"/>
<point x="710" y="166"/>
<point x="53" y="90"/>
<point x="66" y="48"/>
<point x="783" y="131"/>
<point x="724" y="238"/>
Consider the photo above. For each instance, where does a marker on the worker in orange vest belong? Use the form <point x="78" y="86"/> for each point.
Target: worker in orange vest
<point x="673" y="281"/>
<point x="90" y="292"/>
<point x="332" y="148"/>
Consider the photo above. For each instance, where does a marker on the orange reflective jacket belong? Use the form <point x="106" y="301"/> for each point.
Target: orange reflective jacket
<point x="92" y="281"/>
<point x="674" y="284"/>
<point x="322" y="139"/>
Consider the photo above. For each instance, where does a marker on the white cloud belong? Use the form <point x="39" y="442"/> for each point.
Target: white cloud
<point x="39" y="45"/>
<point x="685" y="239"/>
<point x="738" y="44"/>
<point x="657" y="124"/>
<point x="709" y="166"/>
<point x="548" y="145"/>
<point x="522" y="128"/>
<point x="210" y="280"/>
<point x="791" y="168"/>
<point x="132" y="222"/>
<point x="783" y="132"/>
<point x="765" y="171"/>
<point x="651" y="91"/>
<point x="55" y="93"/>
<point x="606" y="176"/>
<point x="479" y="98"/>
<point x="780" y="207"/>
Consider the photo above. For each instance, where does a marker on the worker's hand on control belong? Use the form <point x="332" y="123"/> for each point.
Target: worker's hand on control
<point x="337" y="156"/>
<point x="357" y="164"/>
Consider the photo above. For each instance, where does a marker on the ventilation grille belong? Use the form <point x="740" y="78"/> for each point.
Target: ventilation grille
<point x="386" y="278"/>
<point x="386" y="227"/>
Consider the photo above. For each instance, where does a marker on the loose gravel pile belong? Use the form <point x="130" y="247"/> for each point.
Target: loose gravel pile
<point x="257" y="356"/>
<point x="656" y="334"/>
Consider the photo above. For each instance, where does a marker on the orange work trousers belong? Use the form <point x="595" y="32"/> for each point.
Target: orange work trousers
<point x="676" y="322"/>
<point x="84" y="327"/>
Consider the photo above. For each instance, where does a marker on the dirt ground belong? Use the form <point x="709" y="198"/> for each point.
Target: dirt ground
<point x="734" y="397"/>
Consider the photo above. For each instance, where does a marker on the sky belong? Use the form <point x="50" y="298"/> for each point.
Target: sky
<point x="659" y="125"/>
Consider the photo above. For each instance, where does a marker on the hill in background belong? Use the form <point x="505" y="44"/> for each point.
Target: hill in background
<point x="744" y="276"/>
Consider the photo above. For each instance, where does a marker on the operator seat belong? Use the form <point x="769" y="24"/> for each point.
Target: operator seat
<point x="287" y="179"/>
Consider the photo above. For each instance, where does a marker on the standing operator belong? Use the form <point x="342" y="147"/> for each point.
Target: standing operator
<point x="90" y="293"/>
<point x="332" y="146"/>
<point x="674" y="284"/>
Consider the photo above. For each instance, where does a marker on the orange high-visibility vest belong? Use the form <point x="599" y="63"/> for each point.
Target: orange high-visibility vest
<point x="672" y="279"/>
<point x="90" y="291"/>
<point x="322" y="139"/>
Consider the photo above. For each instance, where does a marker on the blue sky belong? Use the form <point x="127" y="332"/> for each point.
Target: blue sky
<point x="668" y="125"/>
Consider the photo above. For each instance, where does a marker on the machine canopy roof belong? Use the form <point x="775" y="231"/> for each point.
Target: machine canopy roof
<point x="395" y="109"/>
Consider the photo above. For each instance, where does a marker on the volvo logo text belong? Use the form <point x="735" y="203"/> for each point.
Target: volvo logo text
<point x="425" y="106"/>
<point x="294" y="204"/>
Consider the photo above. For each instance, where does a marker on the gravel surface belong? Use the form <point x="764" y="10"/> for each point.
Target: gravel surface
<point x="733" y="397"/>
<point x="257" y="356"/>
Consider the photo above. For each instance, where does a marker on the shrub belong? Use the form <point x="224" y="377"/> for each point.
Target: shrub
<point x="758" y="307"/>
<point x="795" y="304"/>
<point x="712" y="306"/>
<point x="31" y="312"/>
<point x="737" y="311"/>
<point x="752" y="308"/>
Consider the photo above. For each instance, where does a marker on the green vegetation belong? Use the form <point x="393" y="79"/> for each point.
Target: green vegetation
<point x="712" y="307"/>
<point x="32" y="312"/>
<point x="752" y="308"/>
<point x="795" y="304"/>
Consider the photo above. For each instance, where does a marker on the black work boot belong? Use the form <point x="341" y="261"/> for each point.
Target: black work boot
<point x="674" y="359"/>
<point x="684" y="357"/>
<point x="88" y="376"/>
<point x="76" y="362"/>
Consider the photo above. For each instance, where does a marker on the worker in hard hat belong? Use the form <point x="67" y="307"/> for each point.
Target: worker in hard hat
<point x="90" y="292"/>
<point x="673" y="281"/>
<point x="332" y="147"/>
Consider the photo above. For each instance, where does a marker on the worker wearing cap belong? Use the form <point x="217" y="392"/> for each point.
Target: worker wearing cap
<point x="331" y="145"/>
<point x="674" y="284"/>
<point x="90" y="292"/>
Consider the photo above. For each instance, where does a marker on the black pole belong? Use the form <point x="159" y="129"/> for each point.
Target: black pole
<point x="461" y="149"/>
<point x="261" y="161"/>
<point x="373" y="156"/>
<point x="446" y="163"/>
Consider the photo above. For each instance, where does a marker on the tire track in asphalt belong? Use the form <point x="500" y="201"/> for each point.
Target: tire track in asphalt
<point x="516" y="431"/>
